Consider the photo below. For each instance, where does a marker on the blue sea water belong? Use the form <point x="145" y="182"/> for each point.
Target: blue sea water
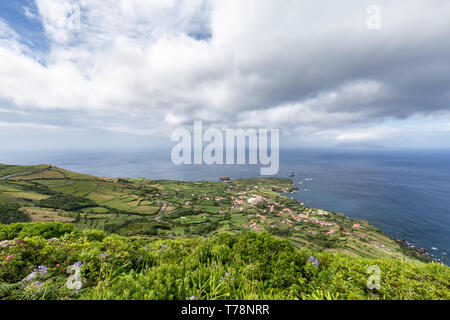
<point x="405" y="194"/>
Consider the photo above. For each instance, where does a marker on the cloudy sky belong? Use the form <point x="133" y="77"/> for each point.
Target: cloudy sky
<point x="112" y="73"/>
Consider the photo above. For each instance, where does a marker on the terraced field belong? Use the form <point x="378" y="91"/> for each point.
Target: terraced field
<point x="144" y="207"/>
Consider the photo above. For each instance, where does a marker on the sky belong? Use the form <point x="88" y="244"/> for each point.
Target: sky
<point x="85" y="74"/>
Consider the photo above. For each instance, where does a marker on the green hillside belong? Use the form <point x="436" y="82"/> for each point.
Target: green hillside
<point x="146" y="207"/>
<point x="194" y="217"/>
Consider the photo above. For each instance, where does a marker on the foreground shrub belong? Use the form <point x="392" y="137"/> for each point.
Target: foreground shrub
<point x="250" y="266"/>
<point x="40" y="229"/>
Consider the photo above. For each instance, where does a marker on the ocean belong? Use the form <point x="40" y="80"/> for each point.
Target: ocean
<point x="405" y="194"/>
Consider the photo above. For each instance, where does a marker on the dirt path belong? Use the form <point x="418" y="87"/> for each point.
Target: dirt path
<point x="161" y="212"/>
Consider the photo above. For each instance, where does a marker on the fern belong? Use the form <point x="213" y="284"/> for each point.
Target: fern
<point x="322" y="295"/>
<point x="6" y="288"/>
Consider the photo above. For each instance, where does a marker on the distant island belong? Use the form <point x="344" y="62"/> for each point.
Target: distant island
<point x="118" y="217"/>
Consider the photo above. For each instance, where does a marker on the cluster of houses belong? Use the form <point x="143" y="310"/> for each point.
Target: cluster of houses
<point x="242" y="199"/>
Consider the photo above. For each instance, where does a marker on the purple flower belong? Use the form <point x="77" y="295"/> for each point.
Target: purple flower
<point x="313" y="261"/>
<point x="103" y="255"/>
<point x="226" y="276"/>
<point x="41" y="270"/>
<point x="171" y="235"/>
<point x="192" y="298"/>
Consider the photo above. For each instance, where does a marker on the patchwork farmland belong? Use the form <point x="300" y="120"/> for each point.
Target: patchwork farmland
<point x="141" y="207"/>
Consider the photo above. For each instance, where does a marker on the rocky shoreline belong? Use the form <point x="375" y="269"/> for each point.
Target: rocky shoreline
<point x="423" y="252"/>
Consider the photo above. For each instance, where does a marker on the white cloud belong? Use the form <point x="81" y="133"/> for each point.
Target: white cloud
<point x="28" y="12"/>
<point x="9" y="39"/>
<point x="298" y="65"/>
<point x="357" y="137"/>
<point x="13" y="111"/>
<point x="29" y="125"/>
<point x="61" y="18"/>
<point x="128" y="130"/>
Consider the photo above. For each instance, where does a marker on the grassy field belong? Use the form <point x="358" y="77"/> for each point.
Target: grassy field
<point x="47" y="215"/>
